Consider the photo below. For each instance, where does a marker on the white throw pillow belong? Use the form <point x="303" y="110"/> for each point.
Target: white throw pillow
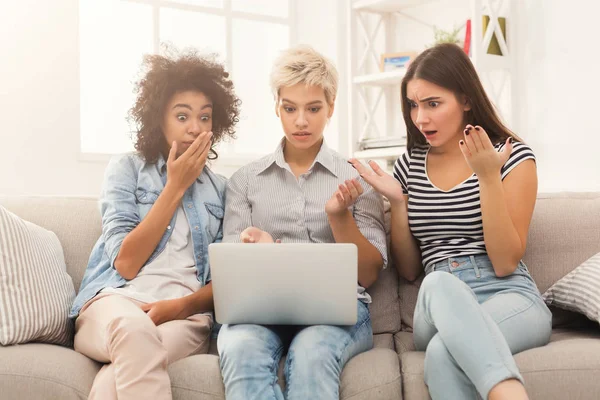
<point x="579" y="290"/>
<point x="36" y="292"/>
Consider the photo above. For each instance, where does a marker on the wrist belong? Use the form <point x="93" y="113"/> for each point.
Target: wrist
<point x="339" y="215"/>
<point x="489" y="179"/>
<point x="186" y="306"/>
<point x="397" y="203"/>
<point x="173" y="192"/>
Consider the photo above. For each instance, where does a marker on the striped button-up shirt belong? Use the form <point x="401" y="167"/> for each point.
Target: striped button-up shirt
<point x="267" y="195"/>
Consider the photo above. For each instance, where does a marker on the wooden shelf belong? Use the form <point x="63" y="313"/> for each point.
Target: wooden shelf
<point x="386" y="6"/>
<point x="381" y="78"/>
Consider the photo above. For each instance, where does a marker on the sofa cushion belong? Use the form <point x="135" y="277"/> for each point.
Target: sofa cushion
<point x="374" y="374"/>
<point x="578" y="290"/>
<point x="567" y="367"/>
<point x="563" y="234"/>
<point x="383" y="341"/>
<point x="44" y="371"/>
<point x="385" y="307"/>
<point x="407" y="292"/>
<point x="75" y="221"/>
<point x="403" y="342"/>
<point x="36" y="292"/>
<point x="197" y="378"/>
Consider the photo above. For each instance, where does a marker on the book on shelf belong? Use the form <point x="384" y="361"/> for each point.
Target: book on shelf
<point x="377" y="143"/>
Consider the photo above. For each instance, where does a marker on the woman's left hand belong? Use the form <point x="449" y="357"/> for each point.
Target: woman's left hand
<point x="344" y="197"/>
<point x="480" y="154"/>
<point x="165" y="310"/>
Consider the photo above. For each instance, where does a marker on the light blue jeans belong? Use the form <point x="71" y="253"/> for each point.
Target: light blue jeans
<point x="470" y="323"/>
<point x="250" y="355"/>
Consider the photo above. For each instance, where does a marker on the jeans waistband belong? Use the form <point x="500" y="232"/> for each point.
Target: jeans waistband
<point x="475" y="261"/>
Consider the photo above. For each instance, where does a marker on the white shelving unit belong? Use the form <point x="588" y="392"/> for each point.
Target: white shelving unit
<point x="372" y="24"/>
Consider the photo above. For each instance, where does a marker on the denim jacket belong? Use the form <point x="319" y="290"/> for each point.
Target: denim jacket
<point x="131" y="186"/>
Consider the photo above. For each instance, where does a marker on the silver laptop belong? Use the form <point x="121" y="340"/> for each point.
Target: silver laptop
<point x="284" y="284"/>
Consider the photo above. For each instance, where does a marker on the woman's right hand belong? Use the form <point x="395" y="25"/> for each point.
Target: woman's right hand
<point x="382" y="182"/>
<point x="182" y="171"/>
<point x="255" y="235"/>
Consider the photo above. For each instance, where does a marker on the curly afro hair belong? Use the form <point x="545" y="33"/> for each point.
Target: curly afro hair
<point x="172" y="73"/>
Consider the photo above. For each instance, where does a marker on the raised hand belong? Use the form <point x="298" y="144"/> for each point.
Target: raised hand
<point x="381" y="181"/>
<point x="480" y="154"/>
<point x="344" y="197"/>
<point x="182" y="171"/>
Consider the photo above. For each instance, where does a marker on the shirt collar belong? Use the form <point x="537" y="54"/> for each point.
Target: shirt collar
<point x="324" y="157"/>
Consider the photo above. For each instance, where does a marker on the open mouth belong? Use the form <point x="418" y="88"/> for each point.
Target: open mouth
<point x="429" y="133"/>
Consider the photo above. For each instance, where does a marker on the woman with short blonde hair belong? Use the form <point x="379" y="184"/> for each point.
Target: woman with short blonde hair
<point x="302" y="193"/>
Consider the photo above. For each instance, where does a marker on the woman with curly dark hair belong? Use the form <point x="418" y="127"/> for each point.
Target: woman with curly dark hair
<point x="146" y="298"/>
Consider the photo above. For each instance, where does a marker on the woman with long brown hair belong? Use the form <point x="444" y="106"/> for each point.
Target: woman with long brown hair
<point x="462" y="197"/>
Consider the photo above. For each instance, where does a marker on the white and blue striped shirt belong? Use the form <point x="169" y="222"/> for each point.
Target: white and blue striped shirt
<point x="266" y="194"/>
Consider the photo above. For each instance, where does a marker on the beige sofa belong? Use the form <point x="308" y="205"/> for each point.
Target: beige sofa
<point x="565" y="231"/>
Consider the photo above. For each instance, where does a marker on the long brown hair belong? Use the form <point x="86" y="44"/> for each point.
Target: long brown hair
<point x="447" y="65"/>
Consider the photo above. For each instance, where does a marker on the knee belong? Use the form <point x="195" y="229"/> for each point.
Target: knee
<point x="254" y="345"/>
<point x="315" y="350"/>
<point x="136" y="327"/>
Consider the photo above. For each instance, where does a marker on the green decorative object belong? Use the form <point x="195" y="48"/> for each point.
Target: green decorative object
<point x="443" y="36"/>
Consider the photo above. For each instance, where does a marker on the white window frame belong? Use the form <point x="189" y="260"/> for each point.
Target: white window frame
<point x="227" y="158"/>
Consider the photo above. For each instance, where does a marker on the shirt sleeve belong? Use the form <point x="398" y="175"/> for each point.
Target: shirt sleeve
<point x="521" y="152"/>
<point x="401" y="167"/>
<point x="238" y="210"/>
<point x="118" y="206"/>
<point x="368" y="214"/>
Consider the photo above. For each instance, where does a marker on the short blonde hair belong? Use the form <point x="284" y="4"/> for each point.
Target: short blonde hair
<point x="303" y="64"/>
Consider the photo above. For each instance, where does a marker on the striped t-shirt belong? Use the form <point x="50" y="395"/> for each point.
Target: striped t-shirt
<point x="446" y="223"/>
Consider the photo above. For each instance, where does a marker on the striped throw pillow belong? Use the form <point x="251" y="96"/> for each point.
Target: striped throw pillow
<point x="579" y="290"/>
<point x="36" y="292"/>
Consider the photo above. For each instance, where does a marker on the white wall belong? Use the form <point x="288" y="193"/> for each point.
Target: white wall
<point x="39" y="90"/>
<point x="39" y="103"/>
<point x="559" y="86"/>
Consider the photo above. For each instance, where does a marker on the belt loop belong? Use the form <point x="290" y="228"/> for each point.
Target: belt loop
<point x="475" y="267"/>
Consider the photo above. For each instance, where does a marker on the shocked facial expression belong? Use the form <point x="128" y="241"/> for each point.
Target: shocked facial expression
<point x="187" y="115"/>
<point x="436" y="112"/>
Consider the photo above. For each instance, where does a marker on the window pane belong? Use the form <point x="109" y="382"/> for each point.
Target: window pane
<point x="202" y="31"/>
<point x="275" y="8"/>
<point x="203" y="3"/>
<point x="113" y="37"/>
<point x="259" y="128"/>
